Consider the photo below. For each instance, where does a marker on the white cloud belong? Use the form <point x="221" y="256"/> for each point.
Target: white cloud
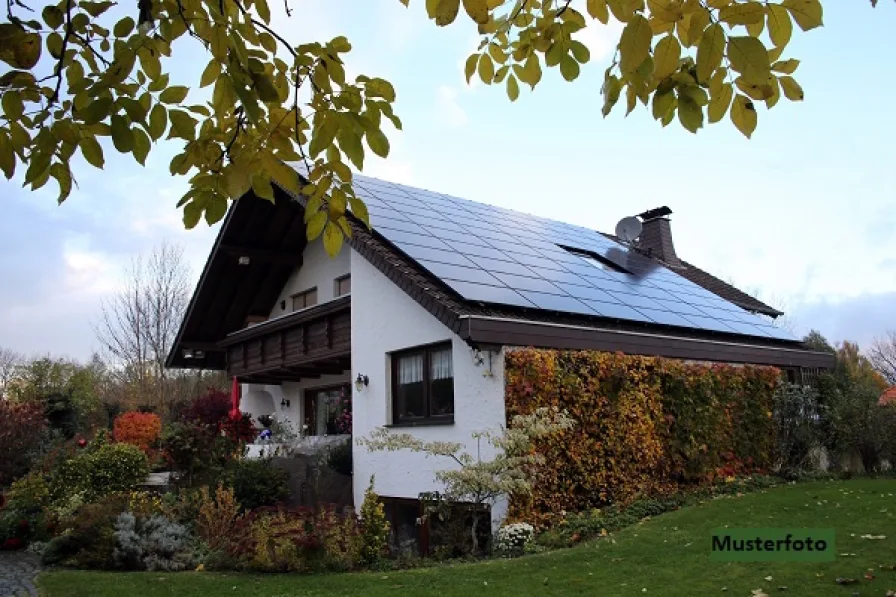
<point x="601" y="39"/>
<point x="448" y="107"/>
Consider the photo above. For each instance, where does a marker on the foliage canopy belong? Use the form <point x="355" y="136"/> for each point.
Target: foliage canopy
<point x="83" y="71"/>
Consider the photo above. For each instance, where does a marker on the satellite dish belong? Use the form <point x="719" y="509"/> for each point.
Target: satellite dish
<point x="628" y="229"/>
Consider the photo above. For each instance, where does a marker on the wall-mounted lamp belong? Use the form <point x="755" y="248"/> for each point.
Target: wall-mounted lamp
<point x="361" y="381"/>
<point x="284" y="404"/>
<point x="244" y="260"/>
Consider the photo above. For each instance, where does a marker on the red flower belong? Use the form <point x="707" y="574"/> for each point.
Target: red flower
<point x="82" y="443"/>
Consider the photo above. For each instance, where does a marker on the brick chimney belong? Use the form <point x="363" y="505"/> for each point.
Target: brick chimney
<point x="656" y="237"/>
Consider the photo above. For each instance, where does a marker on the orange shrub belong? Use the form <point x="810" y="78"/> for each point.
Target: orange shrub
<point x="645" y="425"/>
<point x="138" y="429"/>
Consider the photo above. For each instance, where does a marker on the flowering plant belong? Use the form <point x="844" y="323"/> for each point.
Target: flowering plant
<point x="514" y="539"/>
<point x="344" y="422"/>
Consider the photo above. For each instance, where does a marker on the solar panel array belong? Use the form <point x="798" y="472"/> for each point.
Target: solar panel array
<point x="495" y="255"/>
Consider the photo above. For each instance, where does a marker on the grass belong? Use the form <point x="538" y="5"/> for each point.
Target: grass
<point x="667" y="555"/>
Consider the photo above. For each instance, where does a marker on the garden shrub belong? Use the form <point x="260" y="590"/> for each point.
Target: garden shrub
<point x="155" y="544"/>
<point x="374" y="527"/>
<point x="339" y="458"/>
<point x="22" y="431"/>
<point x="211" y="409"/>
<point x="88" y="540"/>
<point x="645" y="425"/>
<point x="241" y="430"/>
<point x="257" y="482"/>
<point x="216" y="518"/>
<point x="138" y="429"/>
<point x="797" y="428"/>
<point x="108" y="469"/>
<point x="197" y="453"/>
<point x="514" y="539"/>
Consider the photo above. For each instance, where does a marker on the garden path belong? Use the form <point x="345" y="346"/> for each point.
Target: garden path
<point x="18" y="570"/>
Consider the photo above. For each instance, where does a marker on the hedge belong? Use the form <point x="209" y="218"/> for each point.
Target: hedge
<point x="645" y="426"/>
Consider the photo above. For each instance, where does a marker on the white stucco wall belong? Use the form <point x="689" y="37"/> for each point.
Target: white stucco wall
<point x="292" y="391"/>
<point x="385" y="319"/>
<point x="317" y="270"/>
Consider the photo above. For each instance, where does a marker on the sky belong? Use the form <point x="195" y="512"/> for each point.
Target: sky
<point x="803" y="215"/>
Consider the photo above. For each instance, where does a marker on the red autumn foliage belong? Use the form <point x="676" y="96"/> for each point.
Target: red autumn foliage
<point x="211" y="409"/>
<point x="138" y="429"/>
<point x="241" y="430"/>
<point x="22" y="428"/>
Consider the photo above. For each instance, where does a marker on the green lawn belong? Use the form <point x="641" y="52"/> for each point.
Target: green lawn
<point x="666" y="556"/>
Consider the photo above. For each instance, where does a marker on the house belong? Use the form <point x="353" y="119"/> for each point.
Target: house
<point x="410" y="323"/>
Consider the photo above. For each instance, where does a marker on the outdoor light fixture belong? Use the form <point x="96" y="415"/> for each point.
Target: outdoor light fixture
<point x="244" y="260"/>
<point x="188" y="354"/>
<point x="284" y="404"/>
<point x="361" y="381"/>
<point x="198" y="354"/>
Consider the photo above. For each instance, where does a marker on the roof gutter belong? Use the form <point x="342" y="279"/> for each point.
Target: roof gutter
<point x="481" y="329"/>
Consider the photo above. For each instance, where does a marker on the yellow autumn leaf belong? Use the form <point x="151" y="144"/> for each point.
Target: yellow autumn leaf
<point x="666" y="57"/>
<point x="719" y="103"/>
<point x="791" y="89"/>
<point x="749" y="57"/>
<point x="634" y="44"/>
<point x="808" y="14"/>
<point x="779" y="26"/>
<point x="710" y="52"/>
<point x="743" y="115"/>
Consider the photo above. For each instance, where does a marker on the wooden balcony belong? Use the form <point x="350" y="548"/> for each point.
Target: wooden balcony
<point x="305" y="344"/>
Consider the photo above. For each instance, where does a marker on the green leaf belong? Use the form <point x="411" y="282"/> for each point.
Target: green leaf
<point x="174" y="94"/>
<point x="378" y="142"/>
<point x="350" y="144"/>
<point x="513" y="88"/>
<point x="158" y="121"/>
<point x="690" y="115"/>
<point x="779" y="26"/>
<point x="470" y="66"/>
<point x="215" y="209"/>
<point x="598" y="10"/>
<point x="182" y="125"/>
<point x="53" y="16"/>
<point x="19" y="48"/>
<point x="261" y="186"/>
<point x="210" y="74"/>
<point x="569" y="68"/>
<point x="63" y="176"/>
<point x="808" y="14"/>
<point x="719" y="103"/>
<point x="238" y="181"/>
<point x="788" y="67"/>
<point x="742" y="14"/>
<point x="7" y="156"/>
<point x="380" y="88"/>
<point x="333" y="237"/>
<point x="662" y="104"/>
<point x="710" y="52"/>
<point x="13" y="107"/>
<point x="634" y="45"/>
<point x="123" y="27"/>
<point x="791" y="89"/>
<point x="122" y="135"/>
<point x="92" y="151"/>
<point x="192" y="213"/>
<point x="478" y="10"/>
<point x="142" y="145"/>
<point x="96" y="111"/>
<point x="666" y="57"/>
<point x="316" y="224"/>
<point x="486" y="69"/>
<point x="743" y="115"/>
<point x="580" y="51"/>
<point x="749" y="57"/>
<point x="359" y="208"/>
<point x="446" y="12"/>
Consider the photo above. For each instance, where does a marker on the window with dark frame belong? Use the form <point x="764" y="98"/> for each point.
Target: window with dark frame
<point x="343" y="285"/>
<point x="598" y="261"/>
<point x="423" y="385"/>
<point x="304" y="299"/>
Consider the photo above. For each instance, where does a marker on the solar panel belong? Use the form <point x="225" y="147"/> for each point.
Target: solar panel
<point x="494" y="255"/>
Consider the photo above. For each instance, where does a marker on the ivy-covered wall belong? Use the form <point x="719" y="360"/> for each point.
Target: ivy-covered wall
<point x="645" y="426"/>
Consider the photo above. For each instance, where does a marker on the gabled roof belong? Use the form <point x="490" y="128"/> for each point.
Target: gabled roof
<point x="495" y="276"/>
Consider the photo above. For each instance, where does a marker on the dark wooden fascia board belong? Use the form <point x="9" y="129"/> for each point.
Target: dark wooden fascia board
<point x="492" y="330"/>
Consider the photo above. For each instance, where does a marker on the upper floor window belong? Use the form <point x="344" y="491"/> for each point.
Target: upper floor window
<point x="423" y="385"/>
<point x="304" y="299"/>
<point x="343" y="285"/>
